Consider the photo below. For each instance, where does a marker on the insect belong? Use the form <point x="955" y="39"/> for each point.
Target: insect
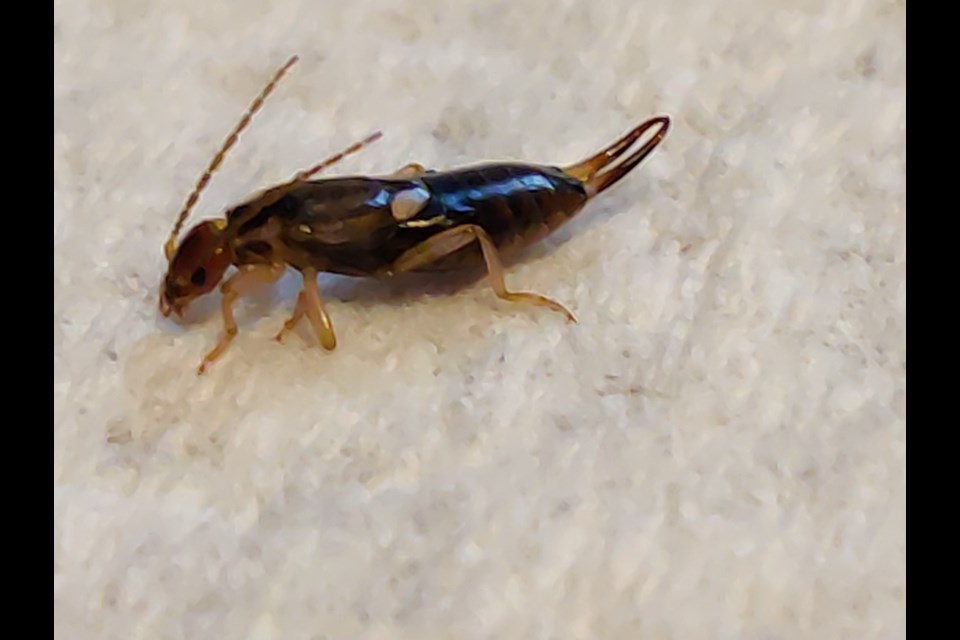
<point x="413" y="220"/>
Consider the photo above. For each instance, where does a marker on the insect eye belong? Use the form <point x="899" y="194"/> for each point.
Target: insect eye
<point x="199" y="276"/>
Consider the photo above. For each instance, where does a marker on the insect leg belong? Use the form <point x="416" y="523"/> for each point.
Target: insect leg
<point x="310" y="304"/>
<point x="446" y="242"/>
<point x="298" y="312"/>
<point x="409" y="171"/>
<point x="249" y="277"/>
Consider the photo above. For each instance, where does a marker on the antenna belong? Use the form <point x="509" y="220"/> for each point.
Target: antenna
<point x="170" y="246"/>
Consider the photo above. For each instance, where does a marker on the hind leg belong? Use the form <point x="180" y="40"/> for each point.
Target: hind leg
<point x="451" y="240"/>
<point x="409" y="171"/>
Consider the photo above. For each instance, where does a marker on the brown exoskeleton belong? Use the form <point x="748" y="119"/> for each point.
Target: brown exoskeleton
<point x="413" y="220"/>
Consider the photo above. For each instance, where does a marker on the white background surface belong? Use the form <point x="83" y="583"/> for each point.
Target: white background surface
<point x="717" y="450"/>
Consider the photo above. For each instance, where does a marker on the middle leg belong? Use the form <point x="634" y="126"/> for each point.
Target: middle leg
<point x="309" y="304"/>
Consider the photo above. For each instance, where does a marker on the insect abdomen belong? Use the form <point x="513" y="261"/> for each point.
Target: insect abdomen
<point x="516" y="204"/>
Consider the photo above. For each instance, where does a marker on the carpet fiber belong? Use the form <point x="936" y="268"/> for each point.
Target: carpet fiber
<point x="716" y="450"/>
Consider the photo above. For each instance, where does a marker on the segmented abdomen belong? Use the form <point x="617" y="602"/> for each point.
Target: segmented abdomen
<point x="516" y="204"/>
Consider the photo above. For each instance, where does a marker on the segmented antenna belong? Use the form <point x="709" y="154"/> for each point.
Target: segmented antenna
<point x="170" y="246"/>
<point x="337" y="157"/>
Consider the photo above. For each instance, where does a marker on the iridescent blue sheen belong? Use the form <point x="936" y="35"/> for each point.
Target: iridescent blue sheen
<point x="466" y="199"/>
<point x="382" y="199"/>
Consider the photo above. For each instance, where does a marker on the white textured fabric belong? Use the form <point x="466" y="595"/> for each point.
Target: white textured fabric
<point x="716" y="450"/>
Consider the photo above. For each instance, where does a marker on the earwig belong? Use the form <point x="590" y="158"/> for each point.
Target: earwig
<point x="414" y="220"/>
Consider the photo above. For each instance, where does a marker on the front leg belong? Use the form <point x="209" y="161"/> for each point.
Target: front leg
<point x="298" y="312"/>
<point x="247" y="279"/>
